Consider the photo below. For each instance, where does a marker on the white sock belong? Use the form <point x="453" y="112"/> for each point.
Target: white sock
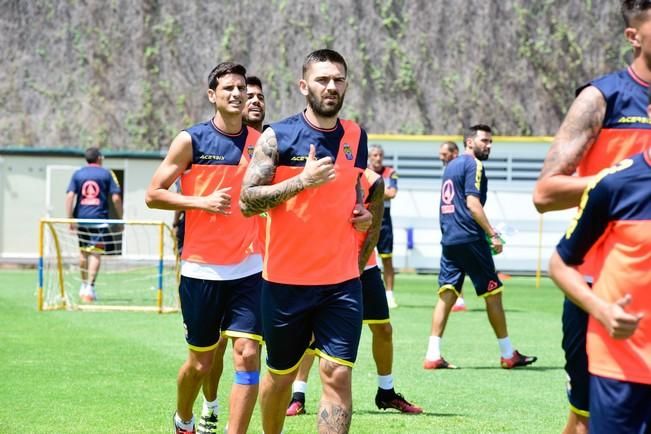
<point x="433" y="348"/>
<point x="210" y="406"/>
<point x="299" y="386"/>
<point x="505" y="347"/>
<point x="389" y="294"/>
<point x="186" y="425"/>
<point x="460" y="302"/>
<point x="385" y="382"/>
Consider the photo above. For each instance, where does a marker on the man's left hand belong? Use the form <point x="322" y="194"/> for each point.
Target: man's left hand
<point x="362" y="218"/>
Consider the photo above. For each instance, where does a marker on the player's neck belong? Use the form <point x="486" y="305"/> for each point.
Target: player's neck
<point x="255" y="125"/>
<point x="320" y="121"/>
<point x="640" y="69"/>
<point x="230" y="124"/>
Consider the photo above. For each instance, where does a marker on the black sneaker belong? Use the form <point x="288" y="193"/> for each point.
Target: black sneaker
<point x="390" y="399"/>
<point x="207" y="423"/>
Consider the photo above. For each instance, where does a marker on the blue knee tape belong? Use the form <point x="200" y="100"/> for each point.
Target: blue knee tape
<point x="247" y="378"/>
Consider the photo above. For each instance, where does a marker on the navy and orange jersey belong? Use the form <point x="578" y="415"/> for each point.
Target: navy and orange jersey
<point x="219" y="160"/>
<point x="626" y="129"/>
<point x="616" y="211"/>
<point x="310" y="238"/>
<point x="463" y="176"/>
<point x="390" y="177"/>
<point x="369" y="183"/>
<point x="93" y="185"/>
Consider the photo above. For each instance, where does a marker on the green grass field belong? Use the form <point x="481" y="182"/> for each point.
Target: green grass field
<point x="100" y="372"/>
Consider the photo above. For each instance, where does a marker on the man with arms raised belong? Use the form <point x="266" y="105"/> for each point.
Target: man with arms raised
<point x="305" y="174"/>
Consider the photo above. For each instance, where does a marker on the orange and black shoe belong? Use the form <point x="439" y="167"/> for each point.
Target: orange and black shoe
<point x="517" y="360"/>
<point x="296" y="408"/>
<point x="440" y="363"/>
<point x="390" y="399"/>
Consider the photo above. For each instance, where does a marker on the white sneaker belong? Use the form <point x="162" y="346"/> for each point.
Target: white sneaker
<point x="88" y="294"/>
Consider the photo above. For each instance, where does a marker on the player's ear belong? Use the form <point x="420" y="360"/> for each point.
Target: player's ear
<point x="211" y="96"/>
<point x="632" y="36"/>
<point x="302" y="85"/>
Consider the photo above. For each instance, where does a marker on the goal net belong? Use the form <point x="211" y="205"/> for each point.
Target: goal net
<point x="138" y="265"/>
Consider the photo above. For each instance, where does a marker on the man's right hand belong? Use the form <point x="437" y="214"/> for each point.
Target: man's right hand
<point x="317" y="172"/>
<point x="619" y="323"/>
<point x="218" y="202"/>
<point x="496" y="244"/>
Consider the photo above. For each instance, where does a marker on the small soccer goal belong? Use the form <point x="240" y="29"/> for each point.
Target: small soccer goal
<point x="138" y="265"/>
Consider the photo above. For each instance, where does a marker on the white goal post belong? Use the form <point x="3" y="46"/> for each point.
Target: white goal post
<point x="139" y="265"/>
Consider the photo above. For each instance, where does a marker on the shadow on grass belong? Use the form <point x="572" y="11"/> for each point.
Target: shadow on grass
<point x="498" y="368"/>
<point x="473" y="310"/>
<point x="396" y="413"/>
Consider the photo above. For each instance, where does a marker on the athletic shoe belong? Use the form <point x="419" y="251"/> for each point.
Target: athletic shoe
<point x="517" y="360"/>
<point x="295" y="408"/>
<point x="207" y="423"/>
<point x="438" y="364"/>
<point x="459" y="308"/>
<point x="179" y="430"/>
<point x="391" y="399"/>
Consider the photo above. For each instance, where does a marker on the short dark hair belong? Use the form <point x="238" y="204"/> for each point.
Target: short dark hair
<point x="92" y="155"/>
<point x="221" y="70"/>
<point x="471" y="132"/>
<point x="324" y="55"/>
<point x="252" y="80"/>
<point x="452" y="147"/>
<point x="632" y="10"/>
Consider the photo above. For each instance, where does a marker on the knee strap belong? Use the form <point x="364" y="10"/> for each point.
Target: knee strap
<point x="247" y="378"/>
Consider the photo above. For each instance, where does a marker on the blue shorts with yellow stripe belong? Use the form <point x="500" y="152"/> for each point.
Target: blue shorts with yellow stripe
<point x="474" y="259"/>
<point x="376" y="308"/>
<point x="385" y="242"/>
<point x="293" y="314"/>
<point x="214" y="307"/>
<point x="619" y="406"/>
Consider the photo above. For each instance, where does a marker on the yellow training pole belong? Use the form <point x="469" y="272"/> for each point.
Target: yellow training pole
<point x="159" y="300"/>
<point x="39" y="297"/>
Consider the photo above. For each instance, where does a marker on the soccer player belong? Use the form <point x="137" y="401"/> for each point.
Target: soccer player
<point x="221" y="262"/>
<point x="252" y="116"/>
<point x="465" y="228"/>
<point x="254" y="108"/>
<point x="606" y="123"/>
<point x="385" y="244"/>
<point x="87" y="198"/>
<point x="448" y="151"/>
<point x="305" y="173"/>
<point x="615" y="211"/>
<point x="376" y="313"/>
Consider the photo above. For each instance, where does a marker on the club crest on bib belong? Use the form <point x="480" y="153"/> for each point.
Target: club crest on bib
<point x="249" y="150"/>
<point x="347" y="152"/>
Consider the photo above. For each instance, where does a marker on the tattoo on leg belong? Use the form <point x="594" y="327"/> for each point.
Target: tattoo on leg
<point x="333" y="418"/>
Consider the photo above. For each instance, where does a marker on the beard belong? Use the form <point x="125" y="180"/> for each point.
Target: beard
<point x="482" y="155"/>
<point x="320" y="108"/>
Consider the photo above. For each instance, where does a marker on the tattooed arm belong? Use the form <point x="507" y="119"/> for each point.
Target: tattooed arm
<point x="556" y="187"/>
<point x="376" y="207"/>
<point x="259" y="194"/>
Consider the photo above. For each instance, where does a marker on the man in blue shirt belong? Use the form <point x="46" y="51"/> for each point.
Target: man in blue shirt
<point x="465" y="230"/>
<point x="87" y="198"/>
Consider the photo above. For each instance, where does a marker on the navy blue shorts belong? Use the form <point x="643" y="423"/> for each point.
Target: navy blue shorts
<point x="376" y="308"/>
<point x="214" y="307"/>
<point x="575" y="327"/>
<point x="293" y="314"/>
<point x="475" y="260"/>
<point x="385" y="242"/>
<point x="94" y="239"/>
<point x="619" y="406"/>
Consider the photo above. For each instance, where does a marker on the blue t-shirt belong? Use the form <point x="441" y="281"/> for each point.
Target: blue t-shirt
<point x="463" y="176"/>
<point x="93" y="185"/>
